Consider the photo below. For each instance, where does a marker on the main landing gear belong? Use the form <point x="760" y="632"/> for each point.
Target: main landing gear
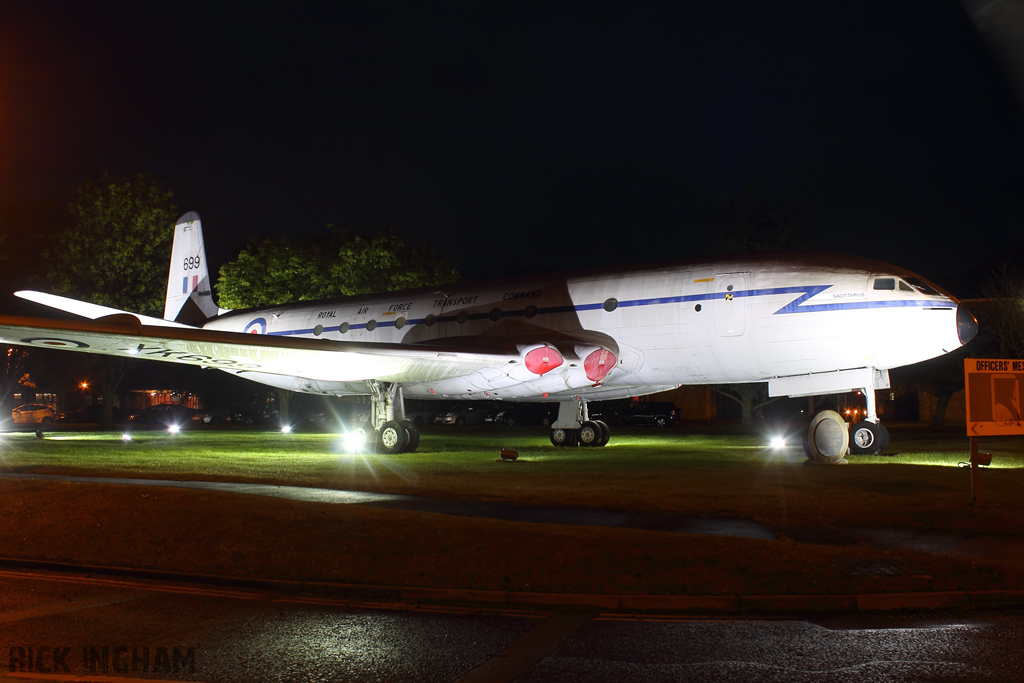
<point x="574" y="426"/>
<point x="828" y="439"/>
<point x="391" y="432"/>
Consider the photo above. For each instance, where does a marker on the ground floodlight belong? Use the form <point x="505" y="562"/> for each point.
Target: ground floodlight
<point x="354" y="441"/>
<point x="287" y="429"/>
<point x="126" y="437"/>
<point x="174" y="429"/>
<point x="778" y="442"/>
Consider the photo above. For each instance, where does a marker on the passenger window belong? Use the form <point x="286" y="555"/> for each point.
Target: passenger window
<point x="885" y="283"/>
<point x="904" y="287"/>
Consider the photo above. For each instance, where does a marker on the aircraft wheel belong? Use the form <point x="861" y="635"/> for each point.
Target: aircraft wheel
<point x="865" y="438"/>
<point x="563" y="437"/>
<point x="414" y="436"/>
<point x="884" y="438"/>
<point x="827" y="438"/>
<point x="392" y="437"/>
<point x="606" y="434"/>
<point x="590" y="434"/>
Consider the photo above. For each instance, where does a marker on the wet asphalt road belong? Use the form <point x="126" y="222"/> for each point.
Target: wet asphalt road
<point x="236" y="635"/>
<point x="967" y="543"/>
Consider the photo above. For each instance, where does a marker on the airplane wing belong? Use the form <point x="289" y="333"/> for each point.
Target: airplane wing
<point x="126" y="336"/>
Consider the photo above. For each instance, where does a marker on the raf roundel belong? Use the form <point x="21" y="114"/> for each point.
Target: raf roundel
<point x="55" y="343"/>
<point x="257" y="326"/>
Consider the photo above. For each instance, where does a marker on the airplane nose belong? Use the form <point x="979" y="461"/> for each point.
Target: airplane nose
<point x="966" y="324"/>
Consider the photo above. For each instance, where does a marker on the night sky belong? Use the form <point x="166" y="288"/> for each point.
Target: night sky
<point x="519" y="137"/>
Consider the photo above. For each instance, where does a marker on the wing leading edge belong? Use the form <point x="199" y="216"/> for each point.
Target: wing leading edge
<point x="319" y="359"/>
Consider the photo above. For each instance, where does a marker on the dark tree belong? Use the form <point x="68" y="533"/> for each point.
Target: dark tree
<point x="750" y="221"/>
<point x="750" y="396"/>
<point x="115" y="253"/>
<point x="15" y="374"/>
<point x="269" y="272"/>
<point x="1001" y="314"/>
<point x="26" y="227"/>
<point x="941" y="377"/>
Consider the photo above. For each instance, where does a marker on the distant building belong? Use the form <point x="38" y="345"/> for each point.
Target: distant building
<point x="140" y="399"/>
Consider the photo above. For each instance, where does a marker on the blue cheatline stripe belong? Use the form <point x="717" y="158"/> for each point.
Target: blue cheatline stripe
<point x="795" y="306"/>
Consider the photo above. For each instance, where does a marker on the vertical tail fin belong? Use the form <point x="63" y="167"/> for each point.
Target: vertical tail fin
<point x="189" y="289"/>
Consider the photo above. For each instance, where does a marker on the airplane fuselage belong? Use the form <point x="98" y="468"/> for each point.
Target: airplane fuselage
<point x="739" y="319"/>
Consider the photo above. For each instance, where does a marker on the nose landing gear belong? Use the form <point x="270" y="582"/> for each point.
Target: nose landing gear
<point x="828" y="440"/>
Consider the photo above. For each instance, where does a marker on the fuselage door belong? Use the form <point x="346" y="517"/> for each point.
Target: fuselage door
<point x="730" y="305"/>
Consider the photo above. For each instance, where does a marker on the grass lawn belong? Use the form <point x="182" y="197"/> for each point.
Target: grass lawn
<point x="644" y="470"/>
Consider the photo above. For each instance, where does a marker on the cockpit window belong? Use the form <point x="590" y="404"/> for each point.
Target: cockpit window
<point x="904" y="287"/>
<point x="922" y="286"/>
<point x="885" y="283"/>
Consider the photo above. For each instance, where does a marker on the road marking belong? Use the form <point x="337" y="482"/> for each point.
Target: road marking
<point x="74" y="678"/>
<point x="122" y="583"/>
<point x="521" y="655"/>
<point x="71" y="606"/>
<point x="272" y="596"/>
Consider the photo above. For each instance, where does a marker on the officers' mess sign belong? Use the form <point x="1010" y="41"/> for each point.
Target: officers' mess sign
<point x="993" y="396"/>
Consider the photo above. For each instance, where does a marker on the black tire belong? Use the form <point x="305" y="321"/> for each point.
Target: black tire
<point x="590" y="434"/>
<point x="660" y="421"/>
<point x="884" y="443"/>
<point x="827" y="438"/>
<point x="865" y="438"/>
<point x="606" y="434"/>
<point x="460" y="421"/>
<point x="511" y="422"/>
<point x="563" y="437"/>
<point x="392" y="437"/>
<point x="414" y="436"/>
<point x="47" y="421"/>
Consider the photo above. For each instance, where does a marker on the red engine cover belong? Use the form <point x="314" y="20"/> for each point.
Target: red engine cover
<point x="543" y="359"/>
<point x="598" y="364"/>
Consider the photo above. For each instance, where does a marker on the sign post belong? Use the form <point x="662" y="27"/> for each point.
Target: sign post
<point x="993" y="387"/>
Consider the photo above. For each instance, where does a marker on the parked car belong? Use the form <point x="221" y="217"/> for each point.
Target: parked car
<point x="524" y="414"/>
<point x="469" y="413"/>
<point x="421" y="412"/>
<point x="654" y="413"/>
<point x="166" y="414"/>
<point x="91" y="415"/>
<point x="238" y="414"/>
<point x="609" y="412"/>
<point x="33" y="414"/>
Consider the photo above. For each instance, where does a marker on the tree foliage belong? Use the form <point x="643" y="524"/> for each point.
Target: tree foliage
<point x="25" y="227"/>
<point x="1002" y="313"/>
<point x="750" y="396"/>
<point x="269" y="272"/>
<point x="115" y="252"/>
<point x="13" y="375"/>
<point x="749" y="221"/>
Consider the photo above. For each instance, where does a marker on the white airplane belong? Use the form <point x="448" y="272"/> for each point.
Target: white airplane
<point x="807" y="324"/>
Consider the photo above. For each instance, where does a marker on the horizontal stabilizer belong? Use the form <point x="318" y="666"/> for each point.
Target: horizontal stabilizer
<point x="88" y="310"/>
